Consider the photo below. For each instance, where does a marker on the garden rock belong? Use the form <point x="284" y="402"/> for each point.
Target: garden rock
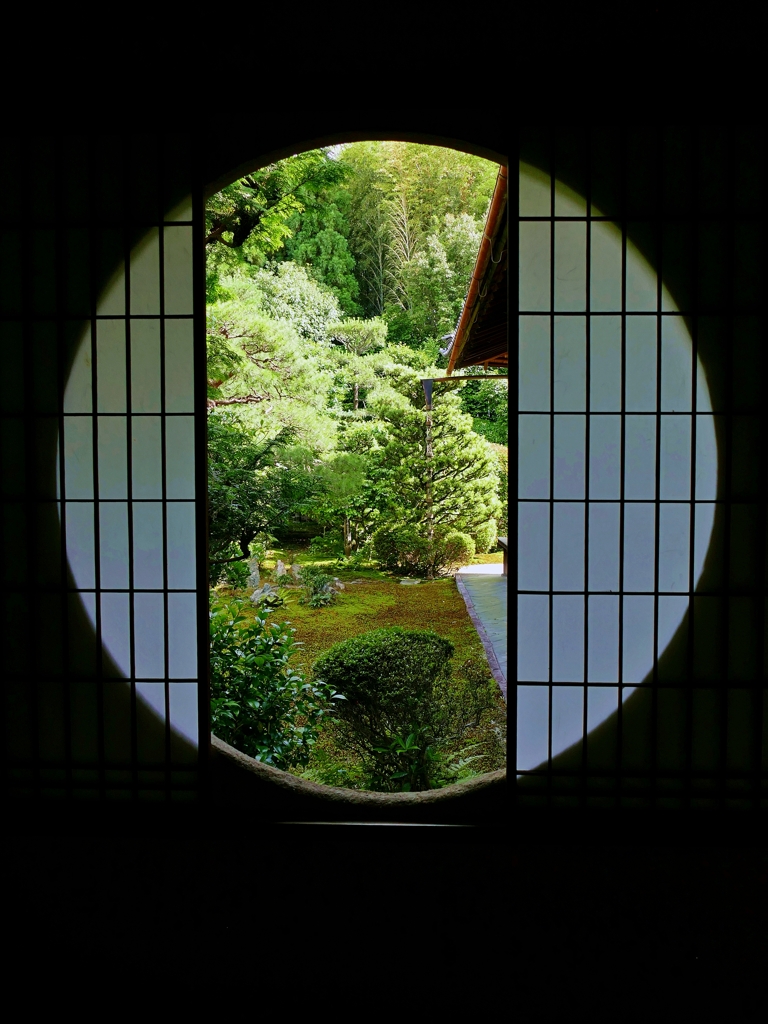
<point x="280" y="570"/>
<point x="295" y="570"/>
<point x="255" y="578"/>
<point x="263" y="592"/>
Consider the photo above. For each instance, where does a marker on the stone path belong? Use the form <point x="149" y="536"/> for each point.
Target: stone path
<point x="484" y="590"/>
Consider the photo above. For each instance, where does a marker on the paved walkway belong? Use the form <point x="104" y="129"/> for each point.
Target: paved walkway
<point x="484" y="590"/>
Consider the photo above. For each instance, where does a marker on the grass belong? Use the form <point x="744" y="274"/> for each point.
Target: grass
<point x="372" y="599"/>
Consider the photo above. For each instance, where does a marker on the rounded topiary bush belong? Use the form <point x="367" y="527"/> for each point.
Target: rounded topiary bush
<point x="386" y="674"/>
<point x="404" y="716"/>
<point x="389" y="679"/>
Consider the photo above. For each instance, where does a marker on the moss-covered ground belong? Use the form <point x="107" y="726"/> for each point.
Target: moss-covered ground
<point x="372" y="599"/>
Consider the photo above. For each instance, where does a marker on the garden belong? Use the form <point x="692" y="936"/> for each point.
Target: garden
<point x="339" y="505"/>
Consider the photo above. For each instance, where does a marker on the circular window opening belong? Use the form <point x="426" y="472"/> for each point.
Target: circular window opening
<point x="134" y="641"/>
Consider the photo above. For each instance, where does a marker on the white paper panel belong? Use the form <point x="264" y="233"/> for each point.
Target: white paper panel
<point x="113" y="544"/>
<point x="570" y="266"/>
<point x="605" y="386"/>
<point x="181" y="546"/>
<point x="534" y="380"/>
<point x="183" y="706"/>
<point x="182" y="636"/>
<point x="78" y="456"/>
<point x="147" y="466"/>
<point x="179" y="366"/>
<point x="145" y="366"/>
<point x="675" y="468"/>
<point x="113" y="461"/>
<point x="533" y="546"/>
<point x="148" y="545"/>
<point x="603" y="625"/>
<point x="532" y="726"/>
<point x="178" y="270"/>
<point x="532" y="637"/>
<point x="533" y="456"/>
<point x="78" y="395"/>
<point x="567" y="639"/>
<point x="569" y="461"/>
<point x="180" y="457"/>
<point x="568" y="546"/>
<point x="570" y="384"/>
<point x="115" y="629"/>
<point x="567" y="716"/>
<point x="81" y="551"/>
<point x="640" y="457"/>
<point x="534" y="284"/>
<point x="145" y="276"/>
<point x="110" y="365"/>
<point x="149" y="635"/>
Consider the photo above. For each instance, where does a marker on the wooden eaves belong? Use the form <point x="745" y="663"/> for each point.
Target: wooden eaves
<point x="481" y="334"/>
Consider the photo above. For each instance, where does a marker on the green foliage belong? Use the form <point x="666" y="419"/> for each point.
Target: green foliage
<point x="318" y="591"/>
<point x="487" y="401"/>
<point x="438" y="473"/>
<point x="404" y="549"/>
<point x="248" y="491"/>
<point x="288" y="292"/>
<point x="359" y="336"/>
<point x="250" y="220"/>
<point x="404" y="715"/>
<point x="236" y="574"/>
<point x="400" y="548"/>
<point x="485" y="537"/>
<point x="259" y="703"/>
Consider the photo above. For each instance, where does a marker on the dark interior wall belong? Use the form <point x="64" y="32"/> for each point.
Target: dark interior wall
<point x="72" y="205"/>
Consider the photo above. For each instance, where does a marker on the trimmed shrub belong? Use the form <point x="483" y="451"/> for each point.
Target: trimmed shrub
<point x="485" y="537"/>
<point x="404" y="549"/>
<point x="388" y="677"/>
<point x="453" y="550"/>
<point x="404" y="715"/>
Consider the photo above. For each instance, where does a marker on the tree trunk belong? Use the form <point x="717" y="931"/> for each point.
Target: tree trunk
<point x="347" y="537"/>
<point x="357" y="395"/>
<point x="429" y="498"/>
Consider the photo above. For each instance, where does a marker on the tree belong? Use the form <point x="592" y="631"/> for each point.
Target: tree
<point x="438" y="472"/>
<point x="263" y="367"/>
<point x="358" y="338"/>
<point x="249" y="490"/>
<point x="319" y="241"/>
<point x="487" y="401"/>
<point x="249" y="220"/>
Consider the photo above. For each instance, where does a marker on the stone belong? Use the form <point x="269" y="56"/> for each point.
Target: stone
<point x="295" y="571"/>
<point x="280" y="570"/>
<point x="266" y="591"/>
<point x="255" y="578"/>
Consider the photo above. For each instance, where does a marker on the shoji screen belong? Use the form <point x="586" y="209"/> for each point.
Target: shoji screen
<point x="105" y="623"/>
<point x="631" y="690"/>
